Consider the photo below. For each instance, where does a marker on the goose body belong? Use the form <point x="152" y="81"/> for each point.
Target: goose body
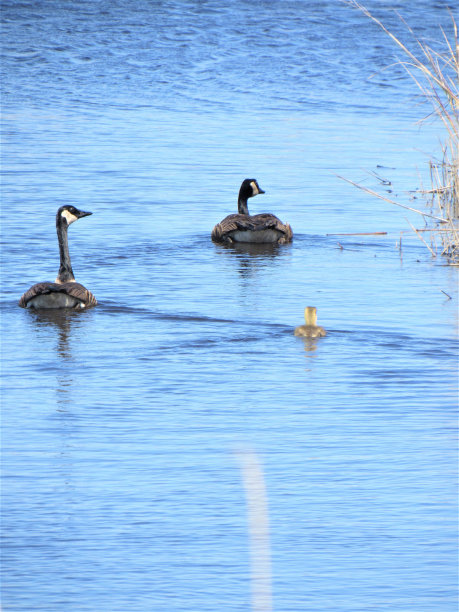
<point x="310" y="329"/>
<point x="65" y="292"/>
<point x="243" y="227"/>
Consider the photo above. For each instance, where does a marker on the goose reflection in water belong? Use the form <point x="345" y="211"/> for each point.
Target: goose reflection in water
<point x="62" y="320"/>
<point x="66" y="325"/>
<point x="310" y="346"/>
<point x="252" y="257"/>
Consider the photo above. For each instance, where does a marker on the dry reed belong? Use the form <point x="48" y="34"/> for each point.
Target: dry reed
<point x="436" y="74"/>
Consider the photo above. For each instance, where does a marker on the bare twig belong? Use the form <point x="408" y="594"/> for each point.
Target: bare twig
<point x="360" y="234"/>
<point x="436" y="74"/>
<point x="422" y="239"/>
<point x="378" y="195"/>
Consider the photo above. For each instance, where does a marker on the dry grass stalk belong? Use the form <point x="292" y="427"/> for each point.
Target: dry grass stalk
<point x="437" y="77"/>
<point x="419" y="235"/>
<point x="445" y="196"/>
<point x="359" y="234"/>
<point x="381" y="197"/>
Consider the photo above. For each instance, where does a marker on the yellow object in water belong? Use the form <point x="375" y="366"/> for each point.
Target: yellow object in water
<point x="310" y="329"/>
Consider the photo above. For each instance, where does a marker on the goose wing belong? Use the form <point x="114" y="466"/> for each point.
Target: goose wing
<point x="230" y="224"/>
<point x="73" y="289"/>
<point x="251" y="223"/>
<point x="80" y="293"/>
<point x="268" y="221"/>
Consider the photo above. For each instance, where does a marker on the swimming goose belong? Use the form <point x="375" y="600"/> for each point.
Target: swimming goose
<point x="243" y="227"/>
<point x="64" y="292"/>
<point x="311" y="329"/>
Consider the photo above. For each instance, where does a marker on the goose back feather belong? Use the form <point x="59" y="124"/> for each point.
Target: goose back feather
<point x="55" y="295"/>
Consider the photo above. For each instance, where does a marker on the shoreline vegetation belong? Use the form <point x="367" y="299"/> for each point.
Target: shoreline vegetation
<point x="436" y="74"/>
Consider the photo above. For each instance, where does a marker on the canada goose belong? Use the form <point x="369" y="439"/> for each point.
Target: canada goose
<point x="64" y="292"/>
<point x="311" y="329"/>
<point x="243" y="227"/>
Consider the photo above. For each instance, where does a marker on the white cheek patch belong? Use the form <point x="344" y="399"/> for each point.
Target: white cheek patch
<point x="68" y="216"/>
<point x="254" y="188"/>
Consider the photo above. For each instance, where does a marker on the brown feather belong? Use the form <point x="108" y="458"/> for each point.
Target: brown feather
<point x="223" y="231"/>
<point x="72" y="289"/>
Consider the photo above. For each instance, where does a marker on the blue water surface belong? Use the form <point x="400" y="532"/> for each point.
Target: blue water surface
<point x="121" y="425"/>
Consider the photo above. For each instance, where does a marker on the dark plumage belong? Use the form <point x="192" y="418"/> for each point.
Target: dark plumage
<point x="243" y="227"/>
<point x="65" y="292"/>
<point x="56" y="294"/>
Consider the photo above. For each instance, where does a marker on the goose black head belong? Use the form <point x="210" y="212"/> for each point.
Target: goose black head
<point x="250" y="188"/>
<point x="70" y="214"/>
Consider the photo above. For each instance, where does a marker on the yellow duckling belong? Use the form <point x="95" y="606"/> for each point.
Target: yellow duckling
<point x="311" y="329"/>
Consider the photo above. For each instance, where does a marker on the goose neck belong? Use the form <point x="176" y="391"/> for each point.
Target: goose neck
<point x="242" y="207"/>
<point x="65" y="268"/>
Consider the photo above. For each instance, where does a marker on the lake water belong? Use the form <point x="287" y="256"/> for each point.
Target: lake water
<point x="121" y="486"/>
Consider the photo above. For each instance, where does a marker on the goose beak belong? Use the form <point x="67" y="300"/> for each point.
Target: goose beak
<point x="83" y="213"/>
<point x="260" y="190"/>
